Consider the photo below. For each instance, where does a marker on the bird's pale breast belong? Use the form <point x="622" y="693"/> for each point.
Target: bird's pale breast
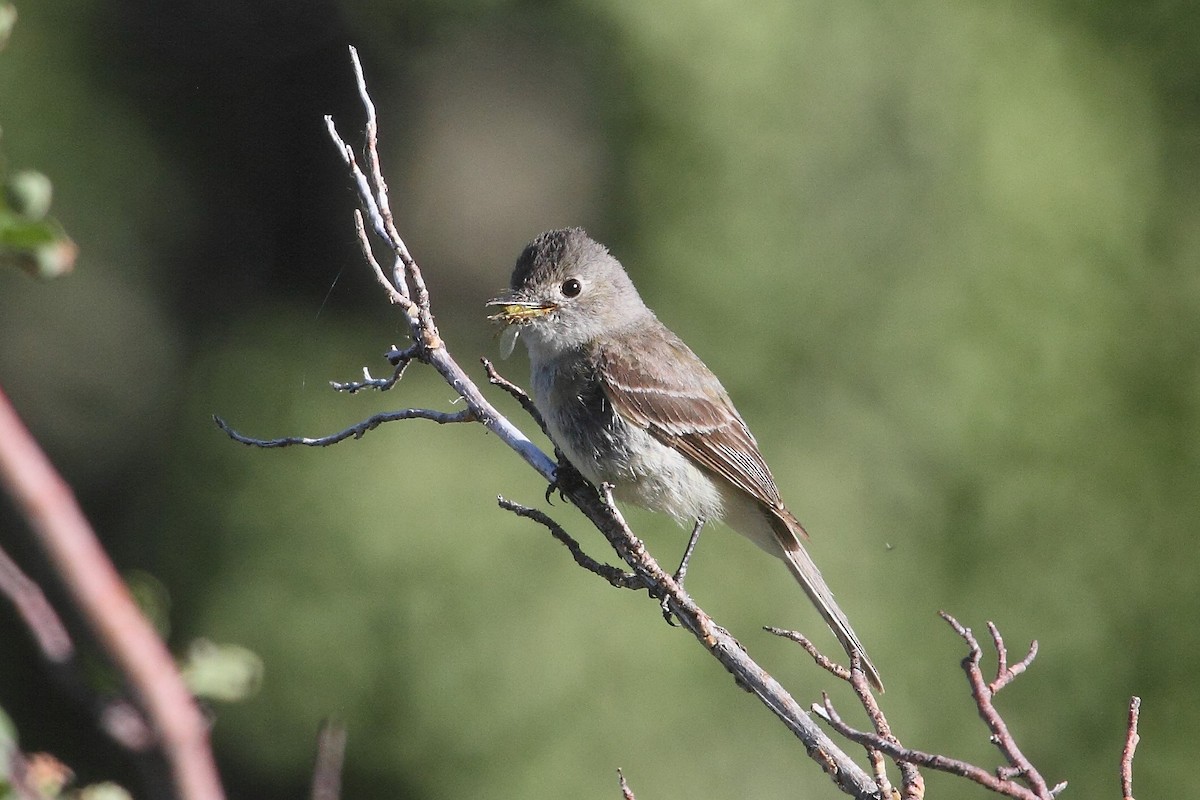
<point x="642" y="470"/>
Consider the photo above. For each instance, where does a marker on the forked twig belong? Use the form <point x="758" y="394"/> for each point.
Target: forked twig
<point x="857" y="679"/>
<point x="1018" y="778"/>
<point x="1018" y="765"/>
<point x="1005" y="673"/>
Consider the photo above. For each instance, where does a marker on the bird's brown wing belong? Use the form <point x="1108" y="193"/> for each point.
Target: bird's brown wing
<point x="662" y="386"/>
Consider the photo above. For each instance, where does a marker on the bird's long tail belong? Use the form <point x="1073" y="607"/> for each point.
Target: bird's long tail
<point x="809" y="578"/>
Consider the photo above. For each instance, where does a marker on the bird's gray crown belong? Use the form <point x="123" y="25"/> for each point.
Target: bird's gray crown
<point x="555" y="252"/>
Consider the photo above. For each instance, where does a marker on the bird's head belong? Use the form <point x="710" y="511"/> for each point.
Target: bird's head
<point x="566" y="292"/>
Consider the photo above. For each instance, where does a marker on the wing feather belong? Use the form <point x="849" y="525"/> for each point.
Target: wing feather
<point x="664" y="388"/>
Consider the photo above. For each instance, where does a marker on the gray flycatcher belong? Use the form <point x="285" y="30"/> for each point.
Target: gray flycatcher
<point x="631" y="405"/>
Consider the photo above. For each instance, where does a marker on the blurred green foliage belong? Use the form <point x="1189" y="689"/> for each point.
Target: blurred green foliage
<point x="41" y="775"/>
<point x="8" y="20"/>
<point x="943" y="255"/>
<point x="28" y="239"/>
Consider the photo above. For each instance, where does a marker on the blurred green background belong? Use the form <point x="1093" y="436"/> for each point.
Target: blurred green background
<point x="943" y="255"/>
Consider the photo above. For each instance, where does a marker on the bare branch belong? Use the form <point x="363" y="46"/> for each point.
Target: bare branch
<point x="399" y="359"/>
<point x="365" y="192"/>
<point x="823" y="661"/>
<point x="389" y="232"/>
<point x="862" y="688"/>
<point x="522" y="397"/>
<point x="355" y="431"/>
<point x="619" y="579"/>
<point x="1131" y="742"/>
<point x="847" y="775"/>
<point x="626" y="792"/>
<point x="940" y="763"/>
<point x="427" y="344"/>
<point x="49" y="506"/>
<point x="331" y="752"/>
<point x="396" y="287"/>
<point x="912" y="783"/>
<point x="41" y="619"/>
<point x="1004" y="673"/>
<point x="369" y="382"/>
<point x="117" y="717"/>
<point x="982" y="692"/>
<point x="1017" y="779"/>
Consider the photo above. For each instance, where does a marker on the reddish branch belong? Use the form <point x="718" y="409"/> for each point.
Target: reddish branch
<point x="1018" y="778"/>
<point x="912" y="784"/>
<point x="1131" y="743"/>
<point x="49" y="506"/>
<point x="983" y="692"/>
<point x="1004" y="673"/>
<point x="117" y="717"/>
<point x="41" y="619"/>
<point x="626" y="792"/>
<point x="331" y="752"/>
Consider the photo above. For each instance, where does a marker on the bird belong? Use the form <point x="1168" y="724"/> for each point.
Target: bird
<point x="630" y="405"/>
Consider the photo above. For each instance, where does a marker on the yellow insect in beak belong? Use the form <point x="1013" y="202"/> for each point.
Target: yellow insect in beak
<point x="513" y="315"/>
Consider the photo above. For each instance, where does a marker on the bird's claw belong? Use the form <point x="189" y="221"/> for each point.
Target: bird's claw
<point x="566" y="477"/>
<point x="550" y="489"/>
<point x="668" y="615"/>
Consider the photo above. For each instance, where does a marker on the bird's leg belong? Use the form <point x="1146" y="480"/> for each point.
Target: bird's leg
<point x="681" y="573"/>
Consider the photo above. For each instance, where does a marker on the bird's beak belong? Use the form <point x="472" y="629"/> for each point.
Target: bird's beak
<point x="515" y="312"/>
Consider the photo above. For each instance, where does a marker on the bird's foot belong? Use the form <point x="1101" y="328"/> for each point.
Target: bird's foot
<point x="566" y="477"/>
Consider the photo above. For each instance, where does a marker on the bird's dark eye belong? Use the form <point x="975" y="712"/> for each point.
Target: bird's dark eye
<point x="571" y="287"/>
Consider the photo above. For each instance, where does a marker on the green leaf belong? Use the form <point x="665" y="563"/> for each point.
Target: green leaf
<point x="224" y="672"/>
<point x="152" y="598"/>
<point x="8" y="19"/>
<point x="8" y="735"/>
<point x="28" y="194"/>
<point x="104" y="791"/>
<point x="40" y="248"/>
